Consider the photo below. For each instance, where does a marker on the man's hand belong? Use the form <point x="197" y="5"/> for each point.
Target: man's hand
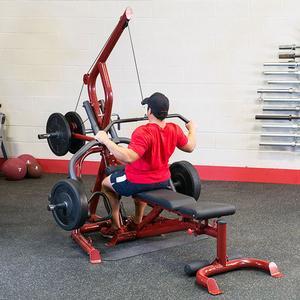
<point x="102" y="137"/>
<point x="191" y="126"/>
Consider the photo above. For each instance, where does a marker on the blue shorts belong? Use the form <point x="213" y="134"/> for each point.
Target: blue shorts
<point x="126" y="188"/>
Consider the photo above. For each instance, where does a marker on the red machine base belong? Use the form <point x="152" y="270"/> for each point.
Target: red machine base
<point x="202" y="276"/>
<point x="218" y="230"/>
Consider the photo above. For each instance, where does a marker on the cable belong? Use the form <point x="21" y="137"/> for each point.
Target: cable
<point x="135" y="63"/>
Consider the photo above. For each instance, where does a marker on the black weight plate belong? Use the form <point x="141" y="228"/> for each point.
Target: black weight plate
<point x="59" y="144"/>
<point x="186" y="179"/>
<point x="76" y="212"/>
<point x="77" y="126"/>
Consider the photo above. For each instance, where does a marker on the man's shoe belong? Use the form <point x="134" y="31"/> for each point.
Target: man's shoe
<point x="109" y="232"/>
<point x="131" y="225"/>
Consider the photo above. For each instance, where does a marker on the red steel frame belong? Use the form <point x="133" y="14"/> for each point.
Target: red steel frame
<point x="153" y="224"/>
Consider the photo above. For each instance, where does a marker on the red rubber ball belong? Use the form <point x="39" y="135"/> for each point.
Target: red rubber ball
<point x="34" y="170"/>
<point x="14" y="169"/>
<point x="28" y="159"/>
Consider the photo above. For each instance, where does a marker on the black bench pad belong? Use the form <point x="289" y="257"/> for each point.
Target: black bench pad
<point x="186" y="205"/>
<point x="166" y="198"/>
<point x="207" y="210"/>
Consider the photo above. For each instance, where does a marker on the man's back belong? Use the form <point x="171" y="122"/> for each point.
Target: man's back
<point x="154" y="145"/>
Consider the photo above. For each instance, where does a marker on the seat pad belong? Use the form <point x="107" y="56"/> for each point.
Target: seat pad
<point x="186" y="205"/>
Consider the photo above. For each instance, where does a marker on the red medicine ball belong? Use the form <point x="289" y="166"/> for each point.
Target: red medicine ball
<point x="28" y="159"/>
<point x="14" y="169"/>
<point x="34" y="170"/>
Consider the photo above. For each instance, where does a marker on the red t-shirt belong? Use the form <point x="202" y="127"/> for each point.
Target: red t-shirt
<point x="154" y="145"/>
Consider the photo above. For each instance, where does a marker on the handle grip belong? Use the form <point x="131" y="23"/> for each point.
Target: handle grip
<point x="90" y="113"/>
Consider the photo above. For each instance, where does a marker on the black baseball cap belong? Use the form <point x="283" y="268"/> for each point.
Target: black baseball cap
<point x="159" y="105"/>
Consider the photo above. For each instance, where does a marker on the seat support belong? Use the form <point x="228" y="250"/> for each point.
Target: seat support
<point x="221" y="264"/>
<point x="153" y="224"/>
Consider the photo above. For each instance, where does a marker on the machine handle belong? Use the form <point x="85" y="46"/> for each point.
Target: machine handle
<point x="86" y="147"/>
<point x="130" y="120"/>
<point x="90" y="113"/>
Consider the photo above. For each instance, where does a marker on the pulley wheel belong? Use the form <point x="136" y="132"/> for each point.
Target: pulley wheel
<point x="186" y="179"/>
<point x="58" y="127"/>
<point x="76" y="126"/>
<point x="68" y="203"/>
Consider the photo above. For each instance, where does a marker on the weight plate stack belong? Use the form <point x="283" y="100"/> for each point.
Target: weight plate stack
<point x="58" y="127"/>
<point x="76" y="126"/>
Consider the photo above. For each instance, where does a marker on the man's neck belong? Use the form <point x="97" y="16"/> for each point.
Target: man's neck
<point x="160" y="123"/>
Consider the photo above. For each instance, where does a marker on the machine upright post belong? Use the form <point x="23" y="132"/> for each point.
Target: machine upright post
<point x="2" y="137"/>
<point x="221" y="242"/>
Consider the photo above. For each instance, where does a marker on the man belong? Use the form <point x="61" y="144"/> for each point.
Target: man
<point x="146" y="158"/>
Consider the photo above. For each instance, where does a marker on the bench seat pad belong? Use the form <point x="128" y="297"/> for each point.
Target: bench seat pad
<point x="186" y="205"/>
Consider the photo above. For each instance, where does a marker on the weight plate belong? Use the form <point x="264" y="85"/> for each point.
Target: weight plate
<point x="76" y="126"/>
<point x="75" y="213"/>
<point x="186" y="179"/>
<point x="60" y="142"/>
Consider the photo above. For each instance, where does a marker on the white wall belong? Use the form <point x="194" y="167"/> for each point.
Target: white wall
<point x="205" y="55"/>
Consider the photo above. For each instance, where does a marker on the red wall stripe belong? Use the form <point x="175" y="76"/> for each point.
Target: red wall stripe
<point x="243" y="174"/>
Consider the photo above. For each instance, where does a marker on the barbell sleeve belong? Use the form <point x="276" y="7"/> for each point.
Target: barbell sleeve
<point x="283" y="81"/>
<point x="281" y="99"/>
<point x="47" y="135"/>
<point x="290" y="64"/>
<point x="284" y="135"/>
<point x="276" y="117"/>
<point x="293" y="73"/>
<point x="293" y="126"/>
<point x="52" y="207"/>
<point x="281" y="108"/>
<point x="288" y="55"/>
<point x="289" y="90"/>
<point x="288" y="47"/>
<point x="292" y="144"/>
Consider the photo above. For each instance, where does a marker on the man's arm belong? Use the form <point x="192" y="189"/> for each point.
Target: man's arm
<point x="124" y="155"/>
<point x="191" y="144"/>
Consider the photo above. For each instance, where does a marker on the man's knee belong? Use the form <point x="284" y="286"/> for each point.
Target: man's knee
<point x="139" y="202"/>
<point x="106" y="184"/>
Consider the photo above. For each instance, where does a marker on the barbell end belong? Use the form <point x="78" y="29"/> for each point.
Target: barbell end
<point x="51" y="207"/>
<point x="43" y="136"/>
<point x="48" y="135"/>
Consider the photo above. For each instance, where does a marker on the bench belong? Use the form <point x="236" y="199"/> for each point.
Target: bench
<point x="186" y="205"/>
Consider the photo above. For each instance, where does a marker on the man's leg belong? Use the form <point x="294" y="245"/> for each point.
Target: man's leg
<point x="139" y="211"/>
<point x="113" y="200"/>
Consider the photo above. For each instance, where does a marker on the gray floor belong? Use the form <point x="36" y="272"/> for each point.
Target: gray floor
<point x="40" y="261"/>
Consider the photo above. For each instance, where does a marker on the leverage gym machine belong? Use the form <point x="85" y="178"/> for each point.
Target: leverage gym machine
<point x="73" y="210"/>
